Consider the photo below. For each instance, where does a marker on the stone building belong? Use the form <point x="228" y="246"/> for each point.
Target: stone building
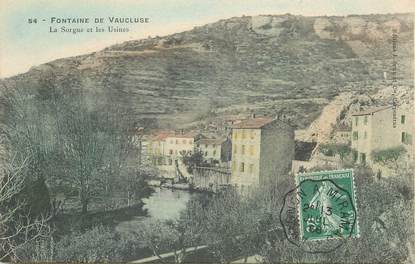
<point x="165" y="149"/>
<point x="341" y="135"/>
<point x="181" y="142"/>
<point x="262" y="151"/>
<point x="381" y="128"/>
<point x="156" y="147"/>
<point x="215" y="150"/>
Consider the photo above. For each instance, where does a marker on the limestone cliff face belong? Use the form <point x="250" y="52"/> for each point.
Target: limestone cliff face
<point x="236" y="61"/>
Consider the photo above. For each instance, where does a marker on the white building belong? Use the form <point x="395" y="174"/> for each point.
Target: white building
<point x="262" y="151"/>
<point x="381" y="128"/>
<point x="215" y="150"/>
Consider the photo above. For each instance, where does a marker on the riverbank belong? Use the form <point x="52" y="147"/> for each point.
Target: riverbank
<point x="68" y="222"/>
<point x="182" y="186"/>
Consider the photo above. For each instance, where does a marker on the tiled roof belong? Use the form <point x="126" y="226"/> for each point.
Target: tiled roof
<point x="191" y="134"/>
<point x="160" y="136"/>
<point x="212" y="140"/>
<point x="254" y="122"/>
<point x="372" y="110"/>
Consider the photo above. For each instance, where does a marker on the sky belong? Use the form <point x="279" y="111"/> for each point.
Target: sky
<point x="24" y="44"/>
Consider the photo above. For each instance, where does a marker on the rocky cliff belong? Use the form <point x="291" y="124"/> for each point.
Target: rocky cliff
<point x="268" y="64"/>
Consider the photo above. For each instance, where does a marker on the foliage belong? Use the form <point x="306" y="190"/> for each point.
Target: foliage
<point x="74" y="144"/>
<point x="134" y="184"/>
<point x="98" y="244"/>
<point x="160" y="237"/>
<point x="330" y="150"/>
<point x="388" y="156"/>
<point x="192" y="160"/>
<point x="227" y="224"/>
<point x="174" y="235"/>
<point x="384" y="216"/>
<point x="36" y="195"/>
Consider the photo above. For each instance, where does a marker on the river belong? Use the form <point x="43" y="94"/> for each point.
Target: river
<point x="163" y="204"/>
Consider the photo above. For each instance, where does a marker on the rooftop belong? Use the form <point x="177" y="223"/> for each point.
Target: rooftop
<point x="161" y="135"/>
<point x="212" y="141"/>
<point x="372" y="110"/>
<point x="257" y="122"/>
<point x="191" y="134"/>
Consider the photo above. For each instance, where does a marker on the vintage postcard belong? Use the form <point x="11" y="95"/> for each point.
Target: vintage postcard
<point x="216" y="131"/>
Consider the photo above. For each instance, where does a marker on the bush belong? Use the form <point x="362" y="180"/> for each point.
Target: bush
<point x="99" y="244"/>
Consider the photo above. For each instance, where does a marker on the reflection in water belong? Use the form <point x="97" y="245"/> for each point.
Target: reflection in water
<point x="163" y="204"/>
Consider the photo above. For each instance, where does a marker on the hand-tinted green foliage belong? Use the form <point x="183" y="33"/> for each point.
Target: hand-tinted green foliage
<point x="387" y="156"/>
<point x="335" y="149"/>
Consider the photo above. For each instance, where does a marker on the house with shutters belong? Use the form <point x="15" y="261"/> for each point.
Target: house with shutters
<point x="262" y="151"/>
<point x="381" y="128"/>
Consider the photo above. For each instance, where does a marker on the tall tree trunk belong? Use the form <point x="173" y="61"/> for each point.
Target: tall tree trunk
<point x="84" y="206"/>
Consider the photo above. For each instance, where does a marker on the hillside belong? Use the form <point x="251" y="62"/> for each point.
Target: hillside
<point x="268" y="64"/>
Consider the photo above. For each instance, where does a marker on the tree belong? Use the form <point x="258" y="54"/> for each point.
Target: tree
<point x="176" y="235"/>
<point x="343" y="150"/>
<point x="17" y="225"/>
<point x="389" y="156"/>
<point x="192" y="160"/>
<point x="159" y="237"/>
<point x="74" y="142"/>
<point x="134" y="184"/>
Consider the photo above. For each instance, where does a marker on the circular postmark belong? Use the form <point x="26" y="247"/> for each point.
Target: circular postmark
<point x="318" y="215"/>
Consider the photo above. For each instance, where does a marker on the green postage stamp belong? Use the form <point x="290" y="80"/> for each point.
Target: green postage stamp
<point x="327" y="205"/>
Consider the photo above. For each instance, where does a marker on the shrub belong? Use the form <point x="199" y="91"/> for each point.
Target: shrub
<point x="99" y="244"/>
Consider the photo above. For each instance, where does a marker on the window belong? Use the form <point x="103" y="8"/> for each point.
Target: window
<point x="235" y="149"/>
<point x="402" y="119"/>
<point x="252" y="134"/>
<point x="403" y="137"/>
<point x="177" y="141"/>
<point x="356" y="120"/>
<point x="363" y="158"/>
<point x="206" y="153"/>
<point x="206" y="146"/>
<point x="214" y="153"/>
<point x="243" y="150"/>
<point x="365" y="120"/>
<point x="171" y="152"/>
<point x="242" y="167"/>
<point x="365" y="135"/>
<point x="355" y="135"/>
<point x="251" y="168"/>
<point x="355" y="155"/>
